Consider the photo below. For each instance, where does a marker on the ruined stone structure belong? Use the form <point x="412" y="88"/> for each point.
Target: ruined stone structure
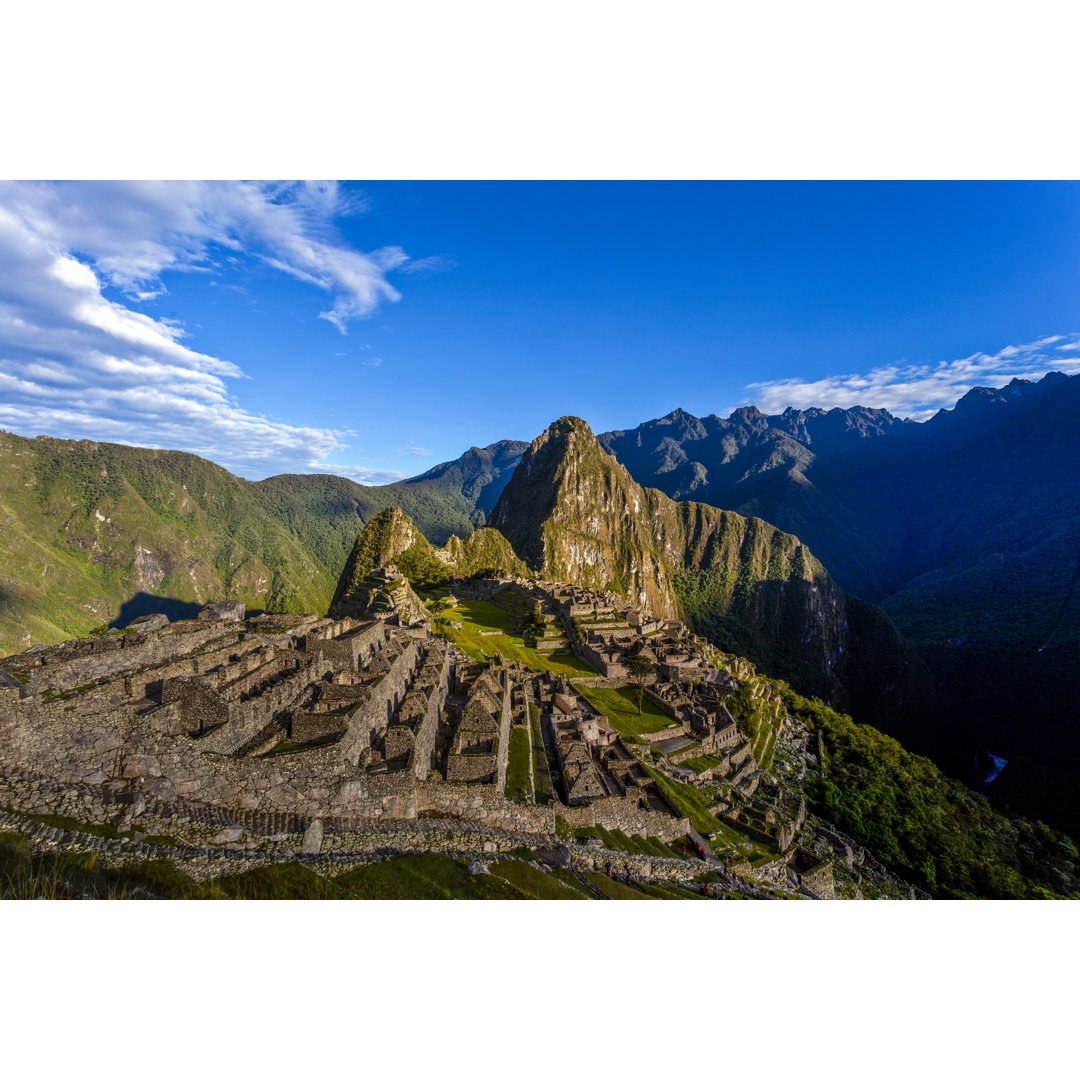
<point x="362" y="717"/>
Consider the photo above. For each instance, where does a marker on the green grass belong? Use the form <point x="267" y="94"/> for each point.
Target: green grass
<point x="620" y="707"/>
<point x="612" y="889"/>
<point x="25" y="875"/>
<point x="616" y="840"/>
<point x="424" y="877"/>
<point x="541" y="774"/>
<point x="700" y="763"/>
<point x="690" y="801"/>
<point x="535" y="884"/>
<point x="694" y="804"/>
<point x="518" y="785"/>
<point x="477" y="615"/>
<point x="764" y="742"/>
<point x="661" y="890"/>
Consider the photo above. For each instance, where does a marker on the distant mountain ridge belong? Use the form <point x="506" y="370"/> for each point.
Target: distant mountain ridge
<point x="978" y="502"/>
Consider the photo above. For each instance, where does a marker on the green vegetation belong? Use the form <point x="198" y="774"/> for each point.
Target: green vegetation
<point x="73" y="513"/>
<point x="25" y="875"/>
<point x="518" y="784"/>
<point x="423" y="877"/>
<point x="541" y="774"/>
<point x="479" y="615"/>
<point x="925" y="826"/>
<point x="533" y="883"/>
<point x="690" y="801"/>
<point x="694" y="803"/>
<point x="612" y="889"/>
<point x="700" y="763"/>
<point x="616" y="840"/>
<point x="639" y="668"/>
<point x="620" y="707"/>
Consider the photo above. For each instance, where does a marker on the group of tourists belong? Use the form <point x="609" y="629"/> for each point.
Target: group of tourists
<point x="615" y="874"/>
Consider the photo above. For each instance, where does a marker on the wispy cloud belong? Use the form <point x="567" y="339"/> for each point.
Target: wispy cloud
<point x="362" y="475"/>
<point x="373" y="361"/>
<point x="919" y="390"/>
<point x="412" y="450"/>
<point x="433" y="264"/>
<point x="76" y="364"/>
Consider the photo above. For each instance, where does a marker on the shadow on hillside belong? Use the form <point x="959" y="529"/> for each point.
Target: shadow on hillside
<point x="144" y="603"/>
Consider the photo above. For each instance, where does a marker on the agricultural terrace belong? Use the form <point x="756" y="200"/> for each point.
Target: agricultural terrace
<point x="695" y="804"/>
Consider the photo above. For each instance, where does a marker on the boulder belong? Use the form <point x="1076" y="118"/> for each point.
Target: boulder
<point x="223" y="611"/>
<point x="313" y="838"/>
<point x="556" y="856"/>
<point x="229" y="835"/>
<point x="477" y="868"/>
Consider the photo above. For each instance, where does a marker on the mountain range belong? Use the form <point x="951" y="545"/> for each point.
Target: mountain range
<point x="783" y="537"/>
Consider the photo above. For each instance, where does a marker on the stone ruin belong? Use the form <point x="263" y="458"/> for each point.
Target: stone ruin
<point x="364" y="716"/>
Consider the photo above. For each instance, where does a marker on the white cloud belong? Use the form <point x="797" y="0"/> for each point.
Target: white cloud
<point x="75" y="364"/>
<point x="362" y="475"/>
<point x="916" y="390"/>
<point x="374" y="361"/>
<point x="133" y="231"/>
<point x="412" y="450"/>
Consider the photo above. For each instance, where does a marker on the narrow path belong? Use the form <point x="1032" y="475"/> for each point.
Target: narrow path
<point x="701" y="842"/>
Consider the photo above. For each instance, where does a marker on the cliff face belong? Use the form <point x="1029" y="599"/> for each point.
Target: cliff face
<point x="573" y="513"/>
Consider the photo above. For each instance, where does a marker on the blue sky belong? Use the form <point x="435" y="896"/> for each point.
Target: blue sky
<point x="376" y="329"/>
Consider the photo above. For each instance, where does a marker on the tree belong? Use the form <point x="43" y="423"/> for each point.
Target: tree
<point x="640" y="668"/>
<point x="535" y="626"/>
<point x="442" y="606"/>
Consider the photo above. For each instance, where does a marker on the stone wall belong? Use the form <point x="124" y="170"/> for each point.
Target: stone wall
<point x="641" y="866"/>
<point x="91" y="660"/>
<point x="665" y="733"/>
<point x="428" y="727"/>
<point x="371" y="717"/>
<point x="480" y="802"/>
<point x="503" y="751"/>
<point x="474" y="768"/>
<point x="625" y="815"/>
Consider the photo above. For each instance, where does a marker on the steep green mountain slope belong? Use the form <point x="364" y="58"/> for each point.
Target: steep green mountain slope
<point x="391" y="537"/>
<point x="93" y="533"/>
<point x="925" y="826"/>
<point x="769" y="467"/>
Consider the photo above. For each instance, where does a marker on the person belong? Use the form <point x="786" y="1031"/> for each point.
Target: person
<point x="684" y="849"/>
<point x="607" y="869"/>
